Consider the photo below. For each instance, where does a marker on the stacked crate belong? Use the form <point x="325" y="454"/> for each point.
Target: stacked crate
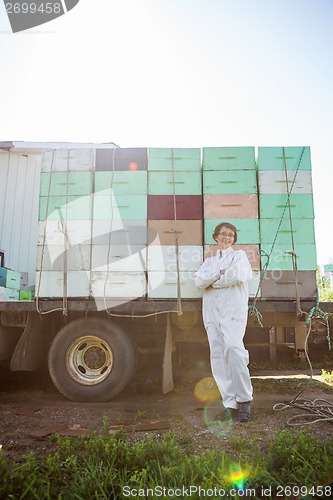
<point x="282" y="173"/>
<point x="65" y="223"/>
<point x="119" y="243"/>
<point x="230" y="194"/>
<point x="174" y="222"/>
<point x="13" y="285"/>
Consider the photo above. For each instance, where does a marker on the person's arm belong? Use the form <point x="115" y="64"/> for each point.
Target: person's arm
<point x="207" y="274"/>
<point x="239" y="272"/>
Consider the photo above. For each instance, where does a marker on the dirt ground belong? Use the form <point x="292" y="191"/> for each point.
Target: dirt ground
<point x="31" y="409"/>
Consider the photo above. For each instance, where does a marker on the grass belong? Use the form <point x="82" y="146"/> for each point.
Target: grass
<point x="110" y="466"/>
<point x="327" y="376"/>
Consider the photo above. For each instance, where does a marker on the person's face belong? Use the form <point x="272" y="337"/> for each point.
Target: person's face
<point x="225" y="238"/>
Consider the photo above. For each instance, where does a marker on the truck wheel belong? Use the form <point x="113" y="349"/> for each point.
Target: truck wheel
<point x="91" y="359"/>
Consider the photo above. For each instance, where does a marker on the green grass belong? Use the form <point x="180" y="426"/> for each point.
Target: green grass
<point x="327" y="376"/>
<point x="112" y="467"/>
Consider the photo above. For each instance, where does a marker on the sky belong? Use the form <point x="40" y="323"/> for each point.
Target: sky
<point x="179" y="73"/>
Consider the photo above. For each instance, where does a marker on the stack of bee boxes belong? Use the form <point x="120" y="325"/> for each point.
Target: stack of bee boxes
<point x="136" y="222"/>
<point x="65" y="223"/>
<point x="285" y="189"/>
<point x="231" y="194"/>
<point x="174" y="221"/>
<point x="119" y="244"/>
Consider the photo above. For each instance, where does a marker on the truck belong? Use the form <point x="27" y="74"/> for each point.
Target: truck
<point x="99" y="245"/>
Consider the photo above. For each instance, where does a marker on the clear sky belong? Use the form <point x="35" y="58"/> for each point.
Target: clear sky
<point x="179" y="73"/>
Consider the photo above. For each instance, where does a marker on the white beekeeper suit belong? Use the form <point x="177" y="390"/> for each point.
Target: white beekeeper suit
<point x="225" y="310"/>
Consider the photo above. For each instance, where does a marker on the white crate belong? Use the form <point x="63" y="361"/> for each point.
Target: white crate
<point x="130" y="285"/>
<point x="56" y="258"/>
<point x="126" y="258"/>
<point x="164" y="257"/>
<point x="163" y="285"/>
<point x="72" y="160"/>
<point x="275" y="182"/>
<point x="51" y="284"/>
<point x="51" y="232"/>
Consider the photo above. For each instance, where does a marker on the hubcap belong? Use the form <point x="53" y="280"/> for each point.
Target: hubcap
<point x="89" y="360"/>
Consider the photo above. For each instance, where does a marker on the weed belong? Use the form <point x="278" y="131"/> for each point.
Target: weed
<point x="101" y="467"/>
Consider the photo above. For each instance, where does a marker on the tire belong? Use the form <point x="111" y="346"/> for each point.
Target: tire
<point x="91" y="360"/>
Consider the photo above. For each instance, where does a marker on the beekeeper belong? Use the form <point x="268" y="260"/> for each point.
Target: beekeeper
<point x="224" y="280"/>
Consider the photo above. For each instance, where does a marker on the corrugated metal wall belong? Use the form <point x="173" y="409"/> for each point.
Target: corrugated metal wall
<point x="19" y="197"/>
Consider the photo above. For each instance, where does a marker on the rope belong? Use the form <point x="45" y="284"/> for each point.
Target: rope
<point x="155" y="313"/>
<point x="179" y="303"/>
<point x="64" y="307"/>
<point x="293" y="253"/>
<point x="253" y="309"/>
<point x="315" y="411"/>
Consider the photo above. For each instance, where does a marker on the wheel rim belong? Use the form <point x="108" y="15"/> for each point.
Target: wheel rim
<point x="89" y="360"/>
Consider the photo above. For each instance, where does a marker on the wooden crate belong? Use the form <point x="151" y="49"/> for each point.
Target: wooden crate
<point x="280" y="182"/>
<point x="247" y="230"/>
<point x="230" y="206"/>
<point x="280" y="284"/>
<point x="174" y="159"/>
<point x="230" y="182"/>
<point x="188" y="207"/>
<point x="229" y="158"/>
<point x="161" y="232"/>
<point x="272" y="158"/>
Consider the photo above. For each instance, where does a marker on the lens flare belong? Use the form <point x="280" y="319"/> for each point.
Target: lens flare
<point x="133" y="166"/>
<point x="217" y="427"/>
<point x="237" y="476"/>
<point x="206" y="390"/>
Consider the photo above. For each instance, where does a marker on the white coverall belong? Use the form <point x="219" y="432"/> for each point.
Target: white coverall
<point x="225" y="310"/>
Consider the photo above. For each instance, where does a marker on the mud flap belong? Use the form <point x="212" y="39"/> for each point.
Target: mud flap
<point x="167" y="377"/>
<point x="29" y="351"/>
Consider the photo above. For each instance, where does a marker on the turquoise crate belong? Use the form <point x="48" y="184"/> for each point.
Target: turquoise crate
<point x="272" y="158"/>
<point x="230" y="182"/>
<point x="177" y="159"/>
<point x="281" y="261"/>
<point x="65" y="208"/>
<point x="122" y="182"/>
<point x="174" y="183"/>
<point x="272" y="206"/>
<point x="300" y="230"/>
<point x="247" y="230"/>
<point x="229" y="158"/>
<point x="120" y="207"/>
<point x="9" y="278"/>
<point x="63" y="183"/>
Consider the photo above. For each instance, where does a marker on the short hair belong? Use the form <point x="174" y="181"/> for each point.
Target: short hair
<point x="226" y="224"/>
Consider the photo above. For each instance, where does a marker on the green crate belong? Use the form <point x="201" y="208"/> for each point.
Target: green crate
<point x="272" y="158"/>
<point x="177" y="159"/>
<point x="272" y="206"/>
<point x="247" y="230"/>
<point x="299" y="230"/>
<point x="306" y="257"/>
<point x="65" y="208"/>
<point x="66" y="183"/>
<point x="122" y="182"/>
<point x="230" y="182"/>
<point x="120" y="207"/>
<point x="229" y="158"/>
<point x="25" y="295"/>
<point x="174" y="183"/>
